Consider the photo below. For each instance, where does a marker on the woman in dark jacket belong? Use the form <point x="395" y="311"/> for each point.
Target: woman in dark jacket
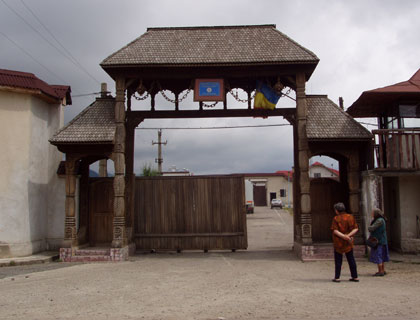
<point x="380" y="254"/>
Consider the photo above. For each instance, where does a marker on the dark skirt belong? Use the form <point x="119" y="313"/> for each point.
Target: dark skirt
<point x="380" y="254"/>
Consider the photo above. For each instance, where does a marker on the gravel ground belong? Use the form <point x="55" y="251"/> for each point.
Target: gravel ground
<point x="265" y="282"/>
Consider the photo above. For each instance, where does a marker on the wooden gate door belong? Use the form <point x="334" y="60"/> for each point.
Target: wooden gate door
<point x="325" y="193"/>
<point x="190" y="213"/>
<point x="101" y="201"/>
<point x="260" y="196"/>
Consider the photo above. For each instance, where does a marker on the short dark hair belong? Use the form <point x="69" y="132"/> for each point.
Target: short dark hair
<point x="340" y="207"/>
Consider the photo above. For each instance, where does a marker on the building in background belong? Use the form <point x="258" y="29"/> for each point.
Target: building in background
<point x="32" y="196"/>
<point x="319" y="170"/>
<point x="268" y="186"/>
<point x="175" y="172"/>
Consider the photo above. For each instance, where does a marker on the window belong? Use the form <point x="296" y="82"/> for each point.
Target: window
<point x="317" y="175"/>
<point x="282" y="193"/>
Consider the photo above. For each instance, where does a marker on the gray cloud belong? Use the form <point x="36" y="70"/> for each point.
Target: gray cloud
<point x="362" y="45"/>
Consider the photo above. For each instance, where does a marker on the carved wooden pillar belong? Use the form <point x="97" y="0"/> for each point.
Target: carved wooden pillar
<point x="130" y="177"/>
<point x="70" y="232"/>
<point x="354" y="188"/>
<point x="304" y="200"/>
<point x="119" y="230"/>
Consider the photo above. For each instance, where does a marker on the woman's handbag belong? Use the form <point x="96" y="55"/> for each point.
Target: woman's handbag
<point x="372" y="242"/>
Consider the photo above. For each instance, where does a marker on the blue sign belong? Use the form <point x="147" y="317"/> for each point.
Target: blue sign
<point x="209" y="89"/>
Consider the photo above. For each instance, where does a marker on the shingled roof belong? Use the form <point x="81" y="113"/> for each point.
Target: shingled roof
<point x="223" y="45"/>
<point x="327" y="121"/>
<point x="94" y="125"/>
<point x="24" y="80"/>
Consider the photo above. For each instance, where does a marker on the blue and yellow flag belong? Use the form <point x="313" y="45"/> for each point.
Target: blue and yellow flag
<point x="265" y="97"/>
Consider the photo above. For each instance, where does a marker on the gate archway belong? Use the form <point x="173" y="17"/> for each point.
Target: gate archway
<point x="191" y="59"/>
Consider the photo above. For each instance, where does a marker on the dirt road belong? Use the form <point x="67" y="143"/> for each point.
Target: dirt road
<point x="266" y="282"/>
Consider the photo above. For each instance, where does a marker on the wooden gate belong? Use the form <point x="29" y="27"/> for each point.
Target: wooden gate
<point x="101" y="201"/>
<point x="325" y="193"/>
<point x="185" y="213"/>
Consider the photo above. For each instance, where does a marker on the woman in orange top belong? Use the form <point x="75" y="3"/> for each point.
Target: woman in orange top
<point x="344" y="227"/>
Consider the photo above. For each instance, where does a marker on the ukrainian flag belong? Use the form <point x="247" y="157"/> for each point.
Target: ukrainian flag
<point x="265" y="97"/>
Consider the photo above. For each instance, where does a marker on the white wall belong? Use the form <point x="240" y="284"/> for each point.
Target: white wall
<point x="274" y="184"/>
<point x="409" y="187"/>
<point x="28" y="165"/>
<point x="325" y="173"/>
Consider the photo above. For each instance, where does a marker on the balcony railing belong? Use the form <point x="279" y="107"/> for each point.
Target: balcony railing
<point x="397" y="149"/>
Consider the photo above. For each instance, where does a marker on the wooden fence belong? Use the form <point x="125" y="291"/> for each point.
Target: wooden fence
<point x="398" y="149"/>
<point x="190" y="213"/>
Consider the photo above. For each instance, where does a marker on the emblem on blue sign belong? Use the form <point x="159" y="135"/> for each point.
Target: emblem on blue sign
<point x="209" y="90"/>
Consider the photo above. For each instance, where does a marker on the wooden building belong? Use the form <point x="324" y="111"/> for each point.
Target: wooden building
<point x="393" y="183"/>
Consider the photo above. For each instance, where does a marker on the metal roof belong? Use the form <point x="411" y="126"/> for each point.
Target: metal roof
<point x="378" y="102"/>
<point x="327" y="121"/>
<point x="94" y="125"/>
<point x="217" y="45"/>
<point x="25" y="80"/>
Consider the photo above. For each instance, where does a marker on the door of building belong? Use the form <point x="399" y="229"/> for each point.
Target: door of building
<point x="260" y="196"/>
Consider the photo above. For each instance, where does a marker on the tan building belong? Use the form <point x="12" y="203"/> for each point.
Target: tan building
<point x="268" y="186"/>
<point x="31" y="194"/>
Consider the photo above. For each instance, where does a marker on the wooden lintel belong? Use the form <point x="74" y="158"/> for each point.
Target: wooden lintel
<point x="186" y="235"/>
<point x="136" y="116"/>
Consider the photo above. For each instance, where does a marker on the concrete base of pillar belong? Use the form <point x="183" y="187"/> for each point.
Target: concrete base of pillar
<point x="92" y="254"/>
<point x="323" y="251"/>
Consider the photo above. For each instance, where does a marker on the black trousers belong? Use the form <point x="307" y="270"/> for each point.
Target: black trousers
<point x="338" y="259"/>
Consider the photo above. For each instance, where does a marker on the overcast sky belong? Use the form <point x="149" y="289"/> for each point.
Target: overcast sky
<point x="361" y="45"/>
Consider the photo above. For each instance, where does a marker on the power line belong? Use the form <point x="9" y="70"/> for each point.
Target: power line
<point x="85" y="94"/>
<point x="214" y="128"/>
<point x="62" y="46"/>
<point x="29" y="55"/>
<point x="45" y="39"/>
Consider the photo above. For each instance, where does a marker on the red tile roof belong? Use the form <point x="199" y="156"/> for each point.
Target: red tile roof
<point x="25" y="80"/>
<point x="319" y="164"/>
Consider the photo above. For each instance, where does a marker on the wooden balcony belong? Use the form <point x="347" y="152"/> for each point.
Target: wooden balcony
<point x="397" y="150"/>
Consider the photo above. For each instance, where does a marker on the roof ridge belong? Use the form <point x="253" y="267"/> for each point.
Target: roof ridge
<point x="300" y="46"/>
<point x="121" y="49"/>
<point x="214" y="27"/>
<point x="333" y="104"/>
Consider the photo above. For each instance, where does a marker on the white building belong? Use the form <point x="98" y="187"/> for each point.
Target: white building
<point x="268" y="186"/>
<point x="319" y="170"/>
<point x="32" y="196"/>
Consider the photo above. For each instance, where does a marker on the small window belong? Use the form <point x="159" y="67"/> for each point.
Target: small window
<point x="317" y="175"/>
<point x="282" y="193"/>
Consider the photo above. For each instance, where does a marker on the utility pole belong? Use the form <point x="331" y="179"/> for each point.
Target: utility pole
<point x="159" y="159"/>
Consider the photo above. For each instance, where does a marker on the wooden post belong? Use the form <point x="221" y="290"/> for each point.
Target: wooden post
<point x="119" y="231"/>
<point x="354" y="188"/>
<point x="103" y="171"/>
<point x="70" y="232"/>
<point x="82" y="234"/>
<point x="304" y="201"/>
<point x="130" y="177"/>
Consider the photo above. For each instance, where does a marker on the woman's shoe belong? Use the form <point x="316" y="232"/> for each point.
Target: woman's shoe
<point x="335" y="280"/>
<point x="354" y="279"/>
<point x="379" y="274"/>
